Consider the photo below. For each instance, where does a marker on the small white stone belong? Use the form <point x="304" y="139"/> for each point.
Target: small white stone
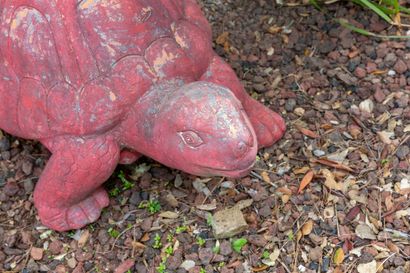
<point x="319" y="153"/>
<point x="366" y="106"/>
<point x="299" y="111"/>
<point x="187" y="265"/>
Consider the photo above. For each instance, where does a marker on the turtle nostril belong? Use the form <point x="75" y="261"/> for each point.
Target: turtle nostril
<point x="241" y="149"/>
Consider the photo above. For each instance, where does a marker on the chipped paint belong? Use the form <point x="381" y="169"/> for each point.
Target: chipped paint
<point x="163" y="59"/>
<point x="87" y="4"/>
<point x="144" y="15"/>
<point x="20" y="15"/>
<point x="113" y="97"/>
<point x="180" y="41"/>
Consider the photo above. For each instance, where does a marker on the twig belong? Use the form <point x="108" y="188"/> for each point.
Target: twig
<point x="212" y="191"/>
<point x="119" y="236"/>
<point x="284" y="266"/>
<point x="381" y="264"/>
<point x="397" y="233"/>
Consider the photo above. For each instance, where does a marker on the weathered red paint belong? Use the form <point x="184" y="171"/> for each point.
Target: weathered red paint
<point x="92" y="78"/>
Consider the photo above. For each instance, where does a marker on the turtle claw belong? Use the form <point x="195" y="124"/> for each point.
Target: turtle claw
<point x="268" y="125"/>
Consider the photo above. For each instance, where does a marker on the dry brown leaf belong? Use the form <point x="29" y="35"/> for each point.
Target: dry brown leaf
<point x="379" y="72"/>
<point x="169" y="215"/>
<point x="331" y="183"/>
<point x="330" y="163"/>
<point x="302" y="170"/>
<point x="308" y="132"/>
<point x="137" y="245"/>
<point x="223" y="38"/>
<point x="393" y="248"/>
<point x="299" y="235"/>
<point x="284" y="190"/>
<point x="389" y="202"/>
<point x="307" y="227"/>
<point x="305" y="181"/>
<point x="285" y="198"/>
<point x="385" y="136"/>
<point x="83" y="238"/>
<point x="339" y="256"/>
<point x="145" y="237"/>
<point x="274" y="29"/>
<point x="265" y="177"/>
<point x="337" y="270"/>
<point x="260" y="268"/>
<point x="370" y="267"/>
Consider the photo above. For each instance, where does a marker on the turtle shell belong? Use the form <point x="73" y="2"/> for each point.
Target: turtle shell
<point x="76" y="67"/>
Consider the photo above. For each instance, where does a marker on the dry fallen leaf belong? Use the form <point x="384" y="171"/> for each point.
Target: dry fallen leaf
<point x="307" y="227"/>
<point x="145" y="237"/>
<point x="368" y="267"/>
<point x="353" y="212"/>
<point x="299" y="235"/>
<point x="365" y="232"/>
<point x="331" y="183"/>
<point x="302" y="170"/>
<point x="385" y="137"/>
<point x="265" y="177"/>
<point x="333" y="164"/>
<point x="223" y="38"/>
<point x="339" y="256"/>
<point x="83" y="238"/>
<point x="260" y="268"/>
<point x="392" y="247"/>
<point x="305" y="181"/>
<point x="137" y="245"/>
<point x="169" y="215"/>
<point x="307" y="132"/>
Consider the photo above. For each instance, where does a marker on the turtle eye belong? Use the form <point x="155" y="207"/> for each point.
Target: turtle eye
<point x="191" y="139"/>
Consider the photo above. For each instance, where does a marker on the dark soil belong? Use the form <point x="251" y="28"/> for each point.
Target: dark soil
<point x="345" y="97"/>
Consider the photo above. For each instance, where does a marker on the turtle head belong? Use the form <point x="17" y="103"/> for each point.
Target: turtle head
<point x="202" y="129"/>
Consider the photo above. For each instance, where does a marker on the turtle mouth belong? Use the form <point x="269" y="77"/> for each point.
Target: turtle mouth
<point x="233" y="173"/>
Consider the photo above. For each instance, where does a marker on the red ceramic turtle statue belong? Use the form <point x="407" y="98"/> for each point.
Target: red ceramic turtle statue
<point x="99" y="82"/>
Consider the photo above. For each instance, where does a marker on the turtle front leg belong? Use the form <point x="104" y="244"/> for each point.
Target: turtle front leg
<point x="268" y="125"/>
<point x="69" y="194"/>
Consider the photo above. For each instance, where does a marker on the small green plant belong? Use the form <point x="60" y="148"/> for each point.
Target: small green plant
<point x="221" y="264"/>
<point x="126" y="184"/>
<point x="91" y="227"/>
<point x="390" y="11"/>
<point x="162" y="267"/>
<point x="181" y="229"/>
<point x="157" y="242"/>
<point x="200" y="241"/>
<point x="385" y="161"/>
<point x="202" y="270"/>
<point x="114" y="192"/>
<point x="113" y="232"/>
<point x="71" y="233"/>
<point x="170" y="238"/>
<point x="152" y="206"/>
<point x="291" y="236"/>
<point x="238" y="244"/>
<point x="265" y="254"/>
<point x="209" y="219"/>
<point x="169" y="250"/>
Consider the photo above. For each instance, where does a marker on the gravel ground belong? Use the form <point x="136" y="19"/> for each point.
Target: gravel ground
<point x="331" y="196"/>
